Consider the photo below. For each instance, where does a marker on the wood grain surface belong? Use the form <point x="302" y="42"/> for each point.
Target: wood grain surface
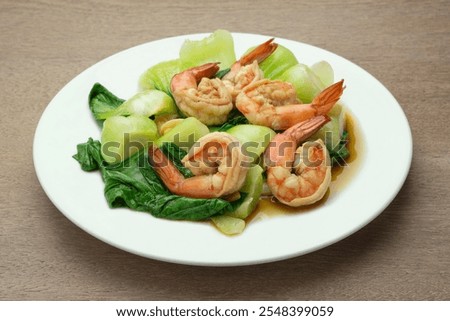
<point x="404" y="254"/>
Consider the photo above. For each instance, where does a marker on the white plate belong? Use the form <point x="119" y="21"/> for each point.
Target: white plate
<point x="67" y="121"/>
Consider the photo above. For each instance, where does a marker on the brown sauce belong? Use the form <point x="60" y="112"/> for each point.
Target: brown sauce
<point x="340" y="177"/>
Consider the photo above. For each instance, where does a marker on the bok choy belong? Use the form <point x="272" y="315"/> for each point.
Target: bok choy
<point x="134" y="184"/>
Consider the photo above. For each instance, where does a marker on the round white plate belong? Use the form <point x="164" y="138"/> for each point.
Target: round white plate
<point x="67" y="121"/>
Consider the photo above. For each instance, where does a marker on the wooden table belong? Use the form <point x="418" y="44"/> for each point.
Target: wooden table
<point x="403" y="255"/>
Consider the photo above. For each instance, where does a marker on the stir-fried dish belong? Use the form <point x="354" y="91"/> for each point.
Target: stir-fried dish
<point x="208" y="135"/>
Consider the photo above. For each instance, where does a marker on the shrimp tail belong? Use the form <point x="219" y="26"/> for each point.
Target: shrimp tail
<point x="168" y="173"/>
<point x="194" y="187"/>
<point x="328" y="97"/>
<point x="282" y="147"/>
<point x="207" y="70"/>
<point x="303" y="130"/>
<point x="192" y="76"/>
<point x="260" y="53"/>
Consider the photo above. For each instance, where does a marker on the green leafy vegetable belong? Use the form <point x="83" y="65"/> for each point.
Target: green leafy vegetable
<point x="150" y="102"/>
<point x="306" y="83"/>
<point x="217" y="47"/>
<point x="234" y="118"/>
<point x="222" y="73"/>
<point x="331" y="132"/>
<point x="340" y="152"/>
<point x="134" y="184"/>
<point x="88" y="155"/>
<point x="254" y="139"/>
<point x="101" y="100"/>
<point x="232" y="222"/>
<point x="123" y="136"/>
<point x="278" y="62"/>
<point x="160" y="75"/>
<point x="228" y="225"/>
<point x="238" y="120"/>
<point x="137" y="186"/>
<point x="252" y="190"/>
<point x="146" y="103"/>
<point x="324" y="71"/>
<point x="185" y="134"/>
<point x="334" y="136"/>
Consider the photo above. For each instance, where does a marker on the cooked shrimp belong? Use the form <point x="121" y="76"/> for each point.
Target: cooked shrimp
<point x="246" y="70"/>
<point x="199" y="96"/>
<point x="216" y="160"/>
<point x="298" y="176"/>
<point x="274" y="103"/>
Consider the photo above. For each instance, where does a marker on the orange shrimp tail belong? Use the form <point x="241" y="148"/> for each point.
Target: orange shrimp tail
<point x="328" y="97"/>
<point x="168" y="173"/>
<point x="282" y="147"/>
<point x="207" y="70"/>
<point x="260" y="53"/>
<point x="192" y="76"/>
<point x="305" y="129"/>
